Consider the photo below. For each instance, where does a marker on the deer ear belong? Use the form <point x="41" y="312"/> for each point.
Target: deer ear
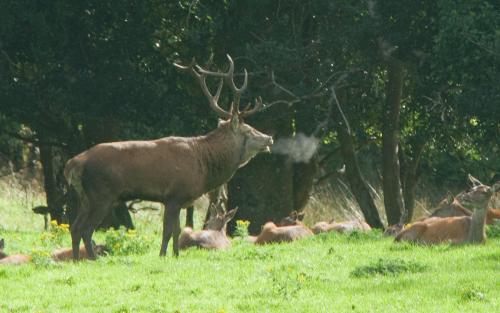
<point x="219" y="122"/>
<point x="2" y="244"/>
<point x="300" y="216"/>
<point x="475" y="182"/>
<point x="230" y="215"/>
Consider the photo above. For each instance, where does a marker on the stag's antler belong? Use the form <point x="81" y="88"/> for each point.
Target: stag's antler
<point x="200" y="74"/>
<point x="201" y="77"/>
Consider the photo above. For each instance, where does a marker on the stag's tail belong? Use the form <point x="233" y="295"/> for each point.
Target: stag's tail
<point x="76" y="195"/>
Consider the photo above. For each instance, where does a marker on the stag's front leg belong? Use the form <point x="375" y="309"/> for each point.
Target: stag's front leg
<point x="171" y="226"/>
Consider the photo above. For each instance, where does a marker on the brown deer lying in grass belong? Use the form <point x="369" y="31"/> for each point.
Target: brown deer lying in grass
<point x="292" y="229"/>
<point x="15" y="259"/>
<point x="457" y="229"/>
<point x="448" y="207"/>
<point x="171" y="170"/>
<point x="66" y="254"/>
<point x="213" y="236"/>
<point x="341" y="227"/>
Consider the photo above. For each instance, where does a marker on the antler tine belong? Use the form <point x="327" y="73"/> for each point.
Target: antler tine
<point x="230" y="77"/>
<point x="189" y="68"/>
<point x="258" y="106"/>
<point x="212" y="100"/>
<point x="201" y="77"/>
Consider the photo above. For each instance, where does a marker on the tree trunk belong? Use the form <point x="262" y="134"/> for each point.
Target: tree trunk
<point x="410" y="177"/>
<point x="54" y="196"/>
<point x="263" y="189"/>
<point x="358" y="185"/>
<point x="393" y="195"/>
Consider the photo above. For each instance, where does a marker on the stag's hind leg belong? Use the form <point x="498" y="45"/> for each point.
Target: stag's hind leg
<point x="171" y="226"/>
<point x="77" y="233"/>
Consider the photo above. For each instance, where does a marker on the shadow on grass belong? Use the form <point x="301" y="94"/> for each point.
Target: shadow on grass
<point x="385" y="267"/>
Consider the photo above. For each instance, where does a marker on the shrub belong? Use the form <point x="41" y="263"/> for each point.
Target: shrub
<point x="41" y="257"/>
<point x="472" y="294"/>
<point x="56" y="235"/>
<point x="493" y="231"/>
<point x="241" y="228"/>
<point x="125" y="242"/>
<point x="388" y="267"/>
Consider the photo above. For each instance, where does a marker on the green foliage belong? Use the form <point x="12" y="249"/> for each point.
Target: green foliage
<point x="125" y="242"/>
<point x="472" y="293"/>
<point x="493" y="231"/>
<point x="241" y="228"/>
<point x="386" y="267"/>
<point x="56" y="236"/>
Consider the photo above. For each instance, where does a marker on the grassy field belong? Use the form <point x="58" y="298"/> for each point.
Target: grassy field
<point x="327" y="273"/>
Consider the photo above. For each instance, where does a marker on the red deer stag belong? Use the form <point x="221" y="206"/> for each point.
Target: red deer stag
<point x="292" y="230"/>
<point x="456" y="229"/>
<point x="171" y="170"/>
<point x="15" y="259"/>
<point x="213" y="236"/>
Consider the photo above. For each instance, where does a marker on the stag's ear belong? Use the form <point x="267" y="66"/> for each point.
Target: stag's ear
<point x="230" y="215"/>
<point x="2" y="244"/>
<point x="220" y="122"/>
<point x="300" y="216"/>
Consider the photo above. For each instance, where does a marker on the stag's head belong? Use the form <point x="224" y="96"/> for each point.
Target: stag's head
<point x="248" y="138"/>
<point x="218" y="217"/>
<point x="478" y="196"/>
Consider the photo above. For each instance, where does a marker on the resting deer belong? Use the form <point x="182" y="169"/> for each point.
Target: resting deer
<point x="171" y="170"/>
<point x="341" y="227"/>
<point x="213" y="236"/>
<point x="15" y="259"/>
<point x="66" y="254"/>
<point x="457" y="229"/>
<point x="292" y="230"/>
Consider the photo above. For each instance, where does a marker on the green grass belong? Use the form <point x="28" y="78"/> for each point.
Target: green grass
<point x="313" y="275"/>
<point x="325" y="273"/>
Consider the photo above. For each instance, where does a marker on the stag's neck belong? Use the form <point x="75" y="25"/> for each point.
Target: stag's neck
<point x="219" y="156"/>
<point x="476" y="231"/>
